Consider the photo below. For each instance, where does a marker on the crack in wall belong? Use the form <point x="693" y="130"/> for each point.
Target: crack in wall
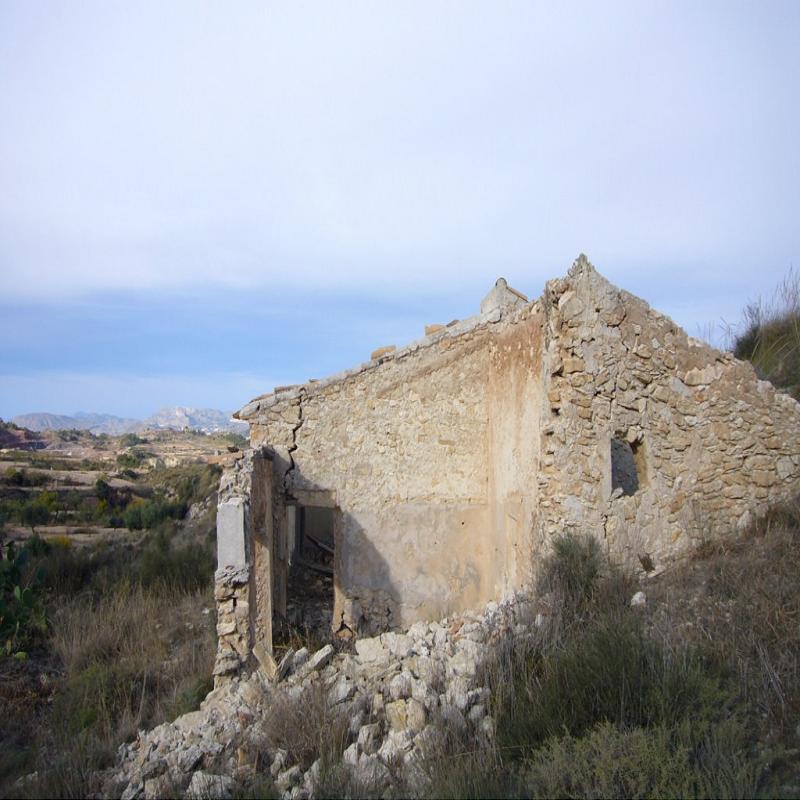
<point x="293" y="446"/>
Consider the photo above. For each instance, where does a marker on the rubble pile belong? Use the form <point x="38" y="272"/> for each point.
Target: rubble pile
<point x="395" y="691"/>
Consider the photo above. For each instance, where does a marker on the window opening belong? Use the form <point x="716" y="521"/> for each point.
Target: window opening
<point x="627" y="465"/>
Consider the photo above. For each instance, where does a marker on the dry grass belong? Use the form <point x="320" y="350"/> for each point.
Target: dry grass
<point x="740" y="600"/>
<point x="307" y="727"/>
<point x="769" y="335"/>
<point x="131" y="659"/>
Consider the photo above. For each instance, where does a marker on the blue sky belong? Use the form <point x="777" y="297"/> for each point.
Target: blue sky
<point x="199" y="201"/>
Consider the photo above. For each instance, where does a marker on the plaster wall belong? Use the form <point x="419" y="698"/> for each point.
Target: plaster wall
<point x="409" y="453"/>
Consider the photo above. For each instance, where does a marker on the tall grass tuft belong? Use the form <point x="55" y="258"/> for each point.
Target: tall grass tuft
<point x="770" y="336"/>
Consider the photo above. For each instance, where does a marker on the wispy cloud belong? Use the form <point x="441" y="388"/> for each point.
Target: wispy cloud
<point x="263" y="147"/>
<point x="197" y="190"/>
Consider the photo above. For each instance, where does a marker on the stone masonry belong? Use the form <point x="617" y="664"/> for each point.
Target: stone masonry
<point x="449" y="464"/>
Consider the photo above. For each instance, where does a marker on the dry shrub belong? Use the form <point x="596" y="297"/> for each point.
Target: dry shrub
<point x="456" y="764"/>
<point x="132" y="659"/>
<point x="741" y="601"/>
<point x="307" y="727"/>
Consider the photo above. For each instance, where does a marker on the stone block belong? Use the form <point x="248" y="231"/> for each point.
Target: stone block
<point x="204" y="785"/>
<point x="371" y="650"/>
<point x="396" y="715"/>
<point x="369" y="738"/>
<point x="383" y="351"/>
<point x="320" y="659"/>
<point x="231" y="539"/>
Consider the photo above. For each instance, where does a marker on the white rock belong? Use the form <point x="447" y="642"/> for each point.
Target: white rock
<point x="356" y="722"/>
<point x="639" y="599"/>
<point x="396" y="745"/>
<point x="133" y="790"/>
<point x="371" y="650"/>
<point x="189" y="758"/>
<point x="205" y="785"/>
<point x="350" y="755"/>
<point x="423" y="693"/>
<point x="458" y="693"/>
<point x="399" y="644"/>
<point x="156" y="788"/>
<point x="311" y="778"/>
<point x="474" y="632"/>
<point x="400" y="686"/>
<point x="300" y="658"/>
<point x="289" y="778"/>
<point x="465" y="661"/>
<point x="371" y="772"/>
<point x="341" y="690"/>
<point x="278" y="763"/>
<point x="477" y="712"/>
<point x="416" y="716"/>
<point x="320" y="659"/>
<point x="369" y="738"/>
<point x="286" y="665"/>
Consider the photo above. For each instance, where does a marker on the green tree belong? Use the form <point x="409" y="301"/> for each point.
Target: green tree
<point x="35" y="513"/>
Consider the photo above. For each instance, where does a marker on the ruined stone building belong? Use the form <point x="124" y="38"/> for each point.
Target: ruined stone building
<point x="430" y="479"/>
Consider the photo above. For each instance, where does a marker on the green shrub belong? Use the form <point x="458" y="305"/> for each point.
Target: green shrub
<point x="131" y="440"/>
<point x="21" y="477"/>
<point x="659" y="761"/>
<point x="192" y="693"/>
<point x="610" y="673"/>
<point x="22" y="612"/>
<point x="147" y="514"/>
<point x="572" y="570"/>
<point x="133" y="458"/>
<point x="186" y="484"/>
<point x="34" y="513"/>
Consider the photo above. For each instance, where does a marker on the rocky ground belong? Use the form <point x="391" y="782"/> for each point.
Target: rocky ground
<point x="391" y="691"/>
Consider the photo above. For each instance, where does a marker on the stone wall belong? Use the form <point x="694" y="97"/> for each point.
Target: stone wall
<point x="713" y="444"/>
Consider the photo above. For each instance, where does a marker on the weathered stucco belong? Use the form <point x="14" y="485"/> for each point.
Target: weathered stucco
<point x="450" y="462"/>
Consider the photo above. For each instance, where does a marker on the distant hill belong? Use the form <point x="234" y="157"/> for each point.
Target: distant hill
<point x="208" y="420"/>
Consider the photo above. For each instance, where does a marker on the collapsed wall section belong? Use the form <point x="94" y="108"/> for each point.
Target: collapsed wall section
<point x="652" y="439"/>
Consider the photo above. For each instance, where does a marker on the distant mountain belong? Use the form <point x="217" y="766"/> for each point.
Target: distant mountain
<point x="94" y="423"/>
<point x="208" y="420"/>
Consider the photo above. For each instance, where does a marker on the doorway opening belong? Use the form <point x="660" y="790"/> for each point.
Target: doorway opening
<point x="309" y="587"/>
